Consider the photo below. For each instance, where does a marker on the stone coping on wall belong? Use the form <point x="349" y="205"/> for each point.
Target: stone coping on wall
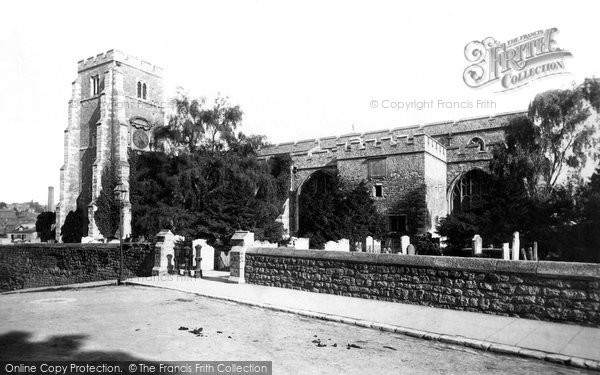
<point x="70" y="245"/>
<point x="534" y="268"/>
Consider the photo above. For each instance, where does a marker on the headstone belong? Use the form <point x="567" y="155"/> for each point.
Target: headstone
<point x="535" y="251"/>
<point x="302" y="243"/>
<point x="331" y="246"/>
<point x="410" y="249"/>
<point x="515" y="246"/>
<point x="530" y="253"/>
<point x="344" y="244"/>
<point x="376" y="246"/>
<point x="369" y="244"/>
<point x="505" y="251"/>
<point x="476" y="244"/>
<point x="206" y="252"/>
<point x="404" y="242"/>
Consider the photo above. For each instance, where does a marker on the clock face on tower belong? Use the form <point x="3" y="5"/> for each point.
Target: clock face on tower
<point x="140" y="139"/>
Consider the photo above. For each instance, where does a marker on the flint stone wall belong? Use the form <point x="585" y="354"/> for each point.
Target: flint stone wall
<point x="552" y="291"/>
<point x="37" y="265"/>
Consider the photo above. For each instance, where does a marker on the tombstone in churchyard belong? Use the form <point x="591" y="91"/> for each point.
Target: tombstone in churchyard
<point x="530" y="253"/>
<point x="516" y="246"/>
<point x="535" y="251"/>
<point x="376" y="246"/>
<point x="477" y="245"/>
<point x="404" y="242"/>
<point x="302" y="243"/>
<point x="505" y="251"/>
<point x="369" y="244"/>
<point x="410" y="249"/>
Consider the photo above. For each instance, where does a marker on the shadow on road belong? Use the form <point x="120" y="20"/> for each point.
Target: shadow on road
<point x="17" y="345"/>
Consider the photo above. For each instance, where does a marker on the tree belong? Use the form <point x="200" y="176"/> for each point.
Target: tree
<point x="193" y="127"/>
<point x="73" y="228"/>
<point x="107" y="217"/>
<point x="536" y="185"/>
<point x="562" y="130"/>
<point x="343" y="210"/>
<point x="206" y="195"/>
<point x="44" y="225"/>
<point x="220" y="122"/>
<point x="184" y="131"/>
<point x="3" y="205"/>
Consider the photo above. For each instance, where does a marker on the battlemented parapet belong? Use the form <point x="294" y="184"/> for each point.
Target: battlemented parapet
<point x="116" y="55"/>
<point x="356" y="148"/>
<point x="437" y="130"/>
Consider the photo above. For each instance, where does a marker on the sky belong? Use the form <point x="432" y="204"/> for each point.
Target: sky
<point x="298" y="69"/>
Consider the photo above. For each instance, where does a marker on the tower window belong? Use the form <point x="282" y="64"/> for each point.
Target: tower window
<point x="94" y="85"/>
<point x="378" y="190"/>
<point x="142" y="90"/>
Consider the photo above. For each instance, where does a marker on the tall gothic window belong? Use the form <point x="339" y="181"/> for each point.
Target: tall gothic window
<point x="468" y="191"/>
<point x="142" y="90"/>
<point x="94" y="85"/>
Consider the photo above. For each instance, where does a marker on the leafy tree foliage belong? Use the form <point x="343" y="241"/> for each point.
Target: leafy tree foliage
<point x="44" y="226"/>
<point x="204" y="180"/>
<point x="73" y="228"/>
<point x="107" y="217"/>
<point x="204" y="195"/>
<point x="535" y="185"/>
<point x="342" y="210"/>
<point x="3" y="205"/>
<point x="193" y="127"/>
<point x="563" y="132"/>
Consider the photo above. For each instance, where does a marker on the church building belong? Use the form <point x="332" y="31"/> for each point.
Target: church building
<point x="116" y="101"/>
<point x="416" y="174"/>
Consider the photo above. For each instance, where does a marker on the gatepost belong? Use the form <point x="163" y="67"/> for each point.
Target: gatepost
<point x="164" y="247"/>
<point x="241" y="241"/>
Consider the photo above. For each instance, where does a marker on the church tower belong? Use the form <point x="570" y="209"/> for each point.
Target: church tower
<point x="116" y="101"/>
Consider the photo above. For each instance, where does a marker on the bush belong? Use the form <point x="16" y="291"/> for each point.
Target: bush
<point x="425" y="244"/>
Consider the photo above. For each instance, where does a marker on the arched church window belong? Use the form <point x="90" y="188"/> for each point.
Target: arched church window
<point x="144" y="89"/>
<point x="477" y="142"/>
<point x="139" y="89"/>
<point x="468" y="191"/>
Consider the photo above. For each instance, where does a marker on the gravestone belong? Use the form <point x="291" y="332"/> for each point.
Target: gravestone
<point x="410" y="249"/>
<point x="515" y="246"/>
<point x="404" y="242"/>
<point x="477" y="245"/>
<point x="505" y="251"/>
